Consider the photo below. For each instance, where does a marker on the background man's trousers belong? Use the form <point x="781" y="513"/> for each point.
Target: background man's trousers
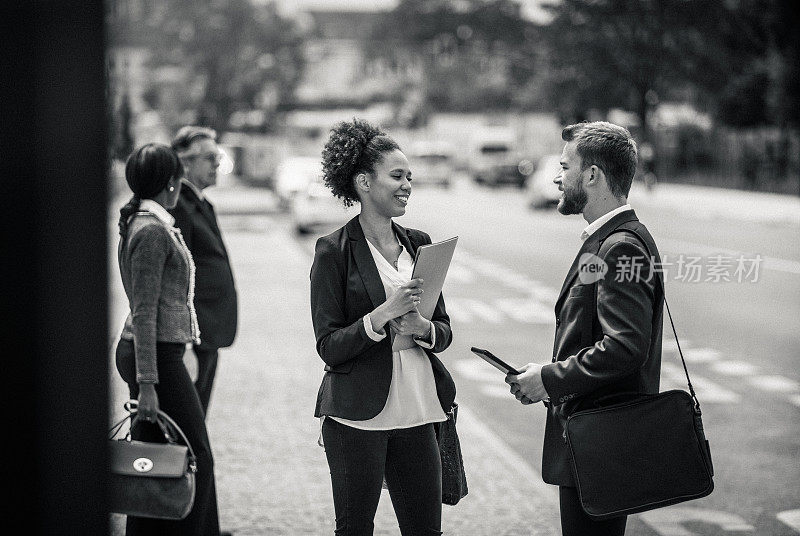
<point x="206" y="370"/>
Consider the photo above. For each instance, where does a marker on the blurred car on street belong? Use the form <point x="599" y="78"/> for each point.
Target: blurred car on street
<point x="541" y="191"/>
<point x="496" y="162"/>
<point x="316" y="209"/>
<point x="293" y="175"/>
<point x="431" y="163"/>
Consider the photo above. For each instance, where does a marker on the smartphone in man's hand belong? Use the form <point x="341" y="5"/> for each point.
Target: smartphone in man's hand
<point x="495" y="361"/>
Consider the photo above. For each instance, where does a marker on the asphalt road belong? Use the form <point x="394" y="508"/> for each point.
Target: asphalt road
<point x="737" y="315"/>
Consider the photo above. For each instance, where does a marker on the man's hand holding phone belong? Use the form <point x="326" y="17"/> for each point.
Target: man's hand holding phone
<point x="527" y="386"/>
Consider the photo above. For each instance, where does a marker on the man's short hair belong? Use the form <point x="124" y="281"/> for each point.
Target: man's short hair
<point x="609" y="147"/>
<point x="187" y="135"/>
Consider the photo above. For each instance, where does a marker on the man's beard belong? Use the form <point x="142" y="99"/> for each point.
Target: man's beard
<point x="573" y="201"/>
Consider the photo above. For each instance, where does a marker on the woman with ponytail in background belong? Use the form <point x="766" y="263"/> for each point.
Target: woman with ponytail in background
<point x="158" y="275"/>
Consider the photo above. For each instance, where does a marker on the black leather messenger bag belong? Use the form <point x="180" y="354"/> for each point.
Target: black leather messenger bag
<point x="635" y="452"/>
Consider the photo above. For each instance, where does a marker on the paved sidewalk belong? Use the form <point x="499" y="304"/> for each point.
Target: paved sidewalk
<point x="272" y="478"/>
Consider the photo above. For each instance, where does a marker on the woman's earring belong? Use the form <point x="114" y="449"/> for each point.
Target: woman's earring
<point x="171" y="188"/>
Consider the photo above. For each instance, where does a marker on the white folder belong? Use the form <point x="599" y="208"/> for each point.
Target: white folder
<point x="431" y="264"/>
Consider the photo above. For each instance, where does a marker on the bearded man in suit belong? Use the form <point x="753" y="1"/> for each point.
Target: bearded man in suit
<point x="215" y="292"/>
<point x="608" y="313"/>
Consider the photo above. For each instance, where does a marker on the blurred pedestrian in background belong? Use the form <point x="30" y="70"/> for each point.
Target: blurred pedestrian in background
<point x="158" y="275"/>
<point x="384" y="387"/>
<point x="215" y="292"/>
<point x="617" y="312"/>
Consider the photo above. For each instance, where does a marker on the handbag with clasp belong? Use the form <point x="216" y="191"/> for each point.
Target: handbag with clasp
<point x="155" y="480"/>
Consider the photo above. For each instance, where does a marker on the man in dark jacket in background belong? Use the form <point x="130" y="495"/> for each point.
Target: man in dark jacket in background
<point x="609" y="310"/>
<point x="215" y="292"/>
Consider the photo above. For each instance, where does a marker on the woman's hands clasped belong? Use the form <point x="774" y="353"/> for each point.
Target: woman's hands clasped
<point x="400" y="308"/>
<point x="412" y="323"/>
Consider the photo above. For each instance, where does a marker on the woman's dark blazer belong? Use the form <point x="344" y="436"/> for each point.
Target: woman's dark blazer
<point x="345" y="286"/>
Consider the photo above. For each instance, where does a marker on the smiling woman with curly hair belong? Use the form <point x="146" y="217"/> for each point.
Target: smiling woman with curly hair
<point x="384" y="387"/>
<point x="353" y="148"/>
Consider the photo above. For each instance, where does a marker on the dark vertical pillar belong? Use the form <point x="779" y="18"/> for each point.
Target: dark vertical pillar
<point x="54" y="365"/>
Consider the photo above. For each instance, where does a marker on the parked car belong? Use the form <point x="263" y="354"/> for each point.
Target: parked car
<point x="498" y="164"/>
<point x="316" y="209"/>
<point x="293" y="175"/>
<point x="431" y="163"/>
<point x="542" y="192"/>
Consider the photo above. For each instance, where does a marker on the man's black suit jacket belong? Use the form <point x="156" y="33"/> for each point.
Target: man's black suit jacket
<point x="345" y="286"/>
<point x="215" y="292"/>
<point x="608" y="334"/>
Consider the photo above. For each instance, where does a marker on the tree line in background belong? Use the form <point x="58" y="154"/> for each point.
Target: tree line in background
<point x="735" y="60"/>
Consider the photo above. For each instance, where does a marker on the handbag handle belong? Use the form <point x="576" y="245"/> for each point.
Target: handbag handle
<point x="669" y="314"/>
<point x="164" y="422"/>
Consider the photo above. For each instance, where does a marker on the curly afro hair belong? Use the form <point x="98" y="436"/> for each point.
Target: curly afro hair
<point x="353" y="147"/>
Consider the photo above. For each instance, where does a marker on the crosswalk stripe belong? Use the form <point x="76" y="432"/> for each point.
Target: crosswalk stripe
<point x="535" y="307"/>
<point x="525" y="310"/>
<point x="475" y="369"/>
<point x="771" y="263"/>
<point x="790" y="518"/>
<point x="701" y="355"/>
<point x="507" y="277"/>
<point x="483" y="310"/>
<point x="669" y="521"/>
<point x="457" y="311"/>
<point x="775" y="384"/>
<point x="734" y="368"/>
<point x="673" y="377"/>
<point x="498" y="391"/>
<point x="458" y="273"/>
<point x="669" y="345"/>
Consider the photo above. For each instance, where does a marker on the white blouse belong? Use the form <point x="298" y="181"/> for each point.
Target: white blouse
<point x="412" y="399"/>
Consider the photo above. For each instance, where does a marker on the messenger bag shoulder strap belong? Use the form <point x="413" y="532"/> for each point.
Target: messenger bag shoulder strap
<point x="604" y="250"/>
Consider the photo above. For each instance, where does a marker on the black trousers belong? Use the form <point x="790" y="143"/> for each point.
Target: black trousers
<point x="575" y="522"/>
<point x="206" y="370"/>
<point x="408" y="458"/>
<point x="178" y="399"/>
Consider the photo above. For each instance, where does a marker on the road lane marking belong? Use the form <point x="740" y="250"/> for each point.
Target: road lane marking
<point x="711" y="392"/>
<point x="525" y="310"/>
<point x="700" y="355"/>
<point x="674" y="377"/>
<point x="457" y="312"/>
<point x="509" y="278"/>
<point x="770" y="263"/>
<point x="503" y="453"/>
<point x="672" y="346"/>
<point x="790" y="518"/>
<point x="669" y="521"/>
<point x="458" y="273"/>
<point x="467" y="308"/>
<point x="475" y="369"/>
<point x="535" y="309"/>
<point x="498" y="391"/>
<point x="774" y="384"/>
<point x="734" y="368"/>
